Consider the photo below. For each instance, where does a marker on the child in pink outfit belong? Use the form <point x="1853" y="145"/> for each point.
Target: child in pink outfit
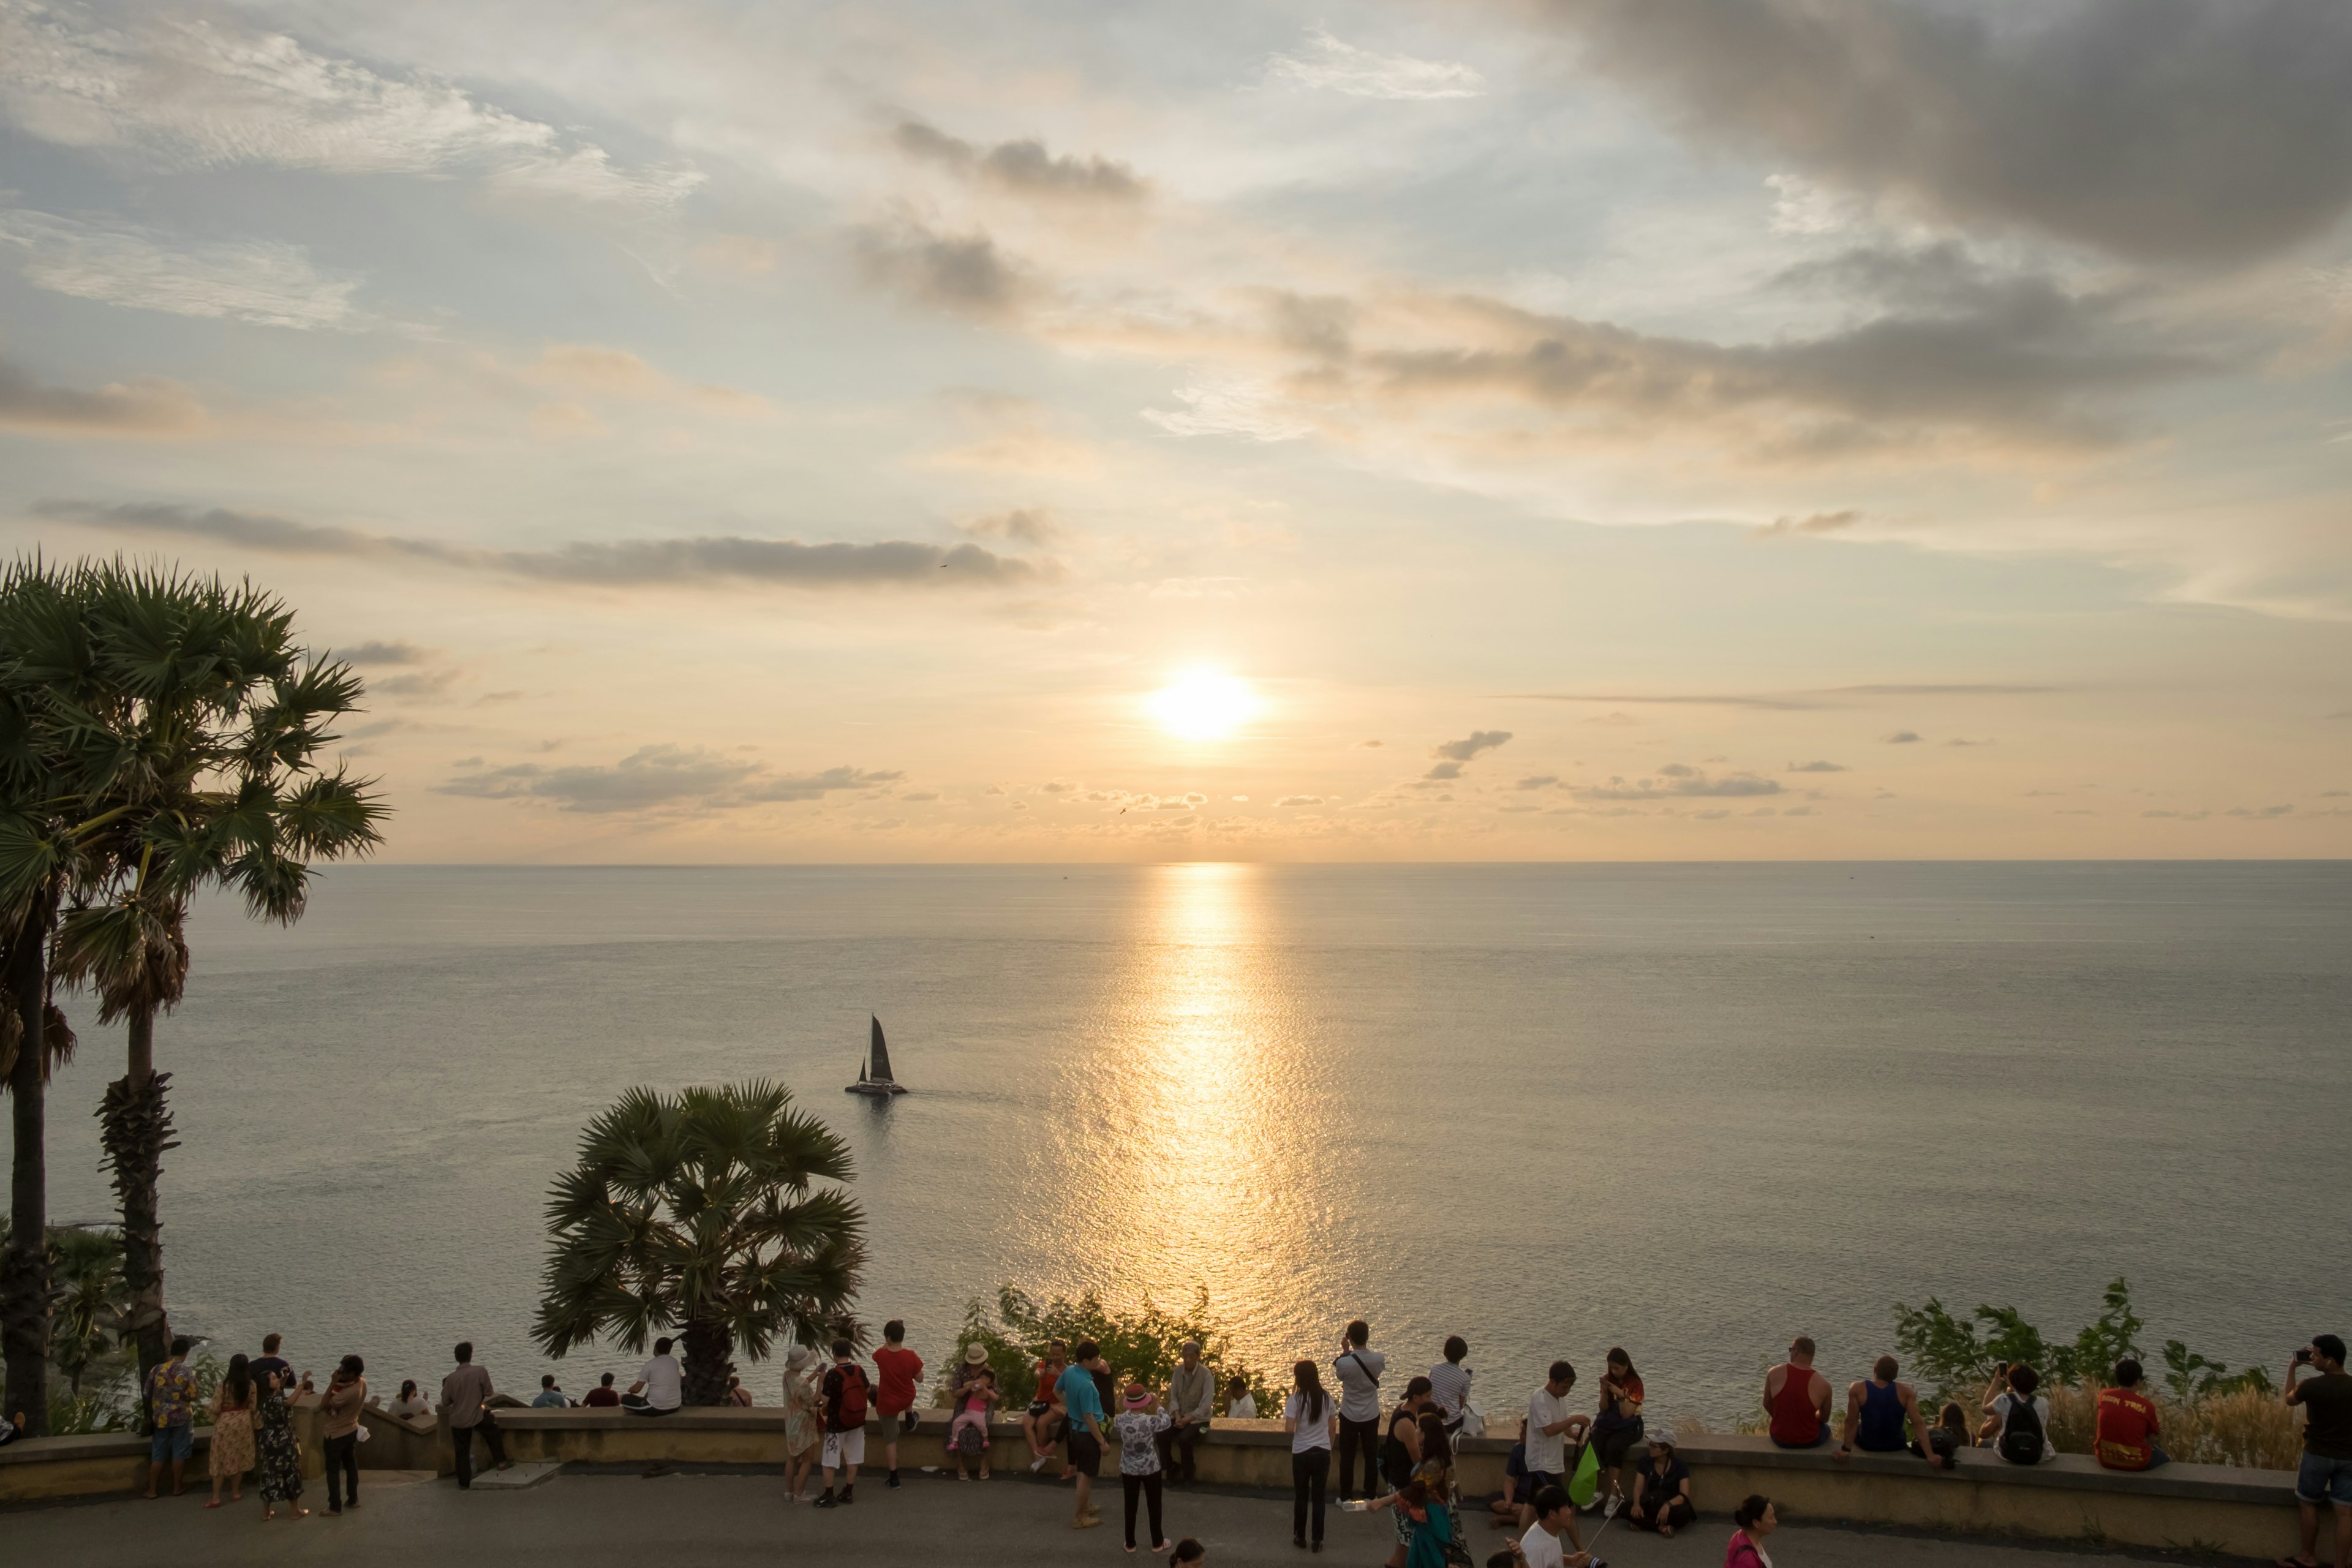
<point x="968" y="1432"/>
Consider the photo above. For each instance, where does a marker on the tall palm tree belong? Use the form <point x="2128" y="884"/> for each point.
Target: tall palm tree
<point x="54" y="763"/>
<point x="698" y="1212"/>
<point x="221" y="719"/>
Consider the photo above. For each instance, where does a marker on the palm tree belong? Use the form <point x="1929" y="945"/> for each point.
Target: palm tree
<point x="696" y="1213"/>
<point x="221" y="719"/>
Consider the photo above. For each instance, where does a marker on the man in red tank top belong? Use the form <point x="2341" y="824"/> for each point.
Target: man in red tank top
<point x="1798" y="1399"/>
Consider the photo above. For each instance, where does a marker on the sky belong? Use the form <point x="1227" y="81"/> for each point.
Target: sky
<point x="1494" y="429"/>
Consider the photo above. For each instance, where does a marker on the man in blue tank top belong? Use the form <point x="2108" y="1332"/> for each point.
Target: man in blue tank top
<point x="1875" y="1410"/>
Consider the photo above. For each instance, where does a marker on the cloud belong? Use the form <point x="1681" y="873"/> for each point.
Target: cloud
<point x="1369" y="745"/>
<point x="192" y="94"/>
<point x="1816" y="767"/>
<point x="1538" y="781"/>
<point x="396" y="652"/>
<point x="921" y="795"/>
<point x="1470" y="745"/>
<point x="1443" y="771"/>
<point x="623" y="563"/>
<point x="965" y="275"/>
<point x="1022" y="525"/>
<point x="2159" y="130"/>
<point x="1300" y="800"/>
<point x="1676" y="780"/>
<point x="1726" y="699"/>
<point x="1326" y="62"/>
<point x="1950" y="689"/>
<point x="122" y="264"/>
<point x="2261" y="814"/>
<point x="1024" y="166"/>
<point x="150" y="406"/>
<point x="1229" y="406"/>
<point x="1816" y="522"/>
<point x="1902" y="738"/>
<point x="665" y="777"/>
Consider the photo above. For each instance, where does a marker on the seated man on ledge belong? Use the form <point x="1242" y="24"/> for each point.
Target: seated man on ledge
<point x="2126" y="1435"/>
<point x="1875" y="1410"/>
<point x="1798" y="1399"/>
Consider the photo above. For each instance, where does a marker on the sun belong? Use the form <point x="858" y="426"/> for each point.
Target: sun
<point x="1204" y="705"/>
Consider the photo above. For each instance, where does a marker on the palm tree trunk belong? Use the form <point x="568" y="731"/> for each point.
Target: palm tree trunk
<point x="24" y="1284"/>
<point x="709" y="1360"/>
<point x="135" y="1129"/>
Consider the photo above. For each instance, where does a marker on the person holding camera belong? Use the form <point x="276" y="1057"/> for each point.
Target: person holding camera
<point x="2326" y="1473"/>
<point x="2024" y="1437"/>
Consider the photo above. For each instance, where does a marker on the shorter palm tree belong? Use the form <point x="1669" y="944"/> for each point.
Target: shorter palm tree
<point x="699" y="1213"/>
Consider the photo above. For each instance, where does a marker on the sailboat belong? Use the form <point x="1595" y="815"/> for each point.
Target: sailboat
<point x="873" y="1073"/>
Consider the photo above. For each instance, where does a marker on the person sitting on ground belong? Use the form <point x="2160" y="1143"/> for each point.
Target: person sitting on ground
<point x="2024" y="1437"/>
<point x="661" y="1382"/>
<point x="1554" y="1516"/>
<point x="1191" y="1401"/>
<point x="1041" y="1422"/>
<point x="1875" y="1410"/>
<point x="1753" y="1520"/>
<point x="2326" y="1471"/>
<point x="2124" y="1437"/>
<point x="604" y="1394"/>
<point x="1550" y="1423"/>
<point x="1505" y="1504"/>
<point x="550" y="1397"/>
<point x="412" y="1404"/>
<point x="1662" y="1490"/>
<point x="1449" y="1382"/>
<point x="1798" y="1399"/>
<point x="1618" y="1425"/>
<point x="1240" y="1404"/>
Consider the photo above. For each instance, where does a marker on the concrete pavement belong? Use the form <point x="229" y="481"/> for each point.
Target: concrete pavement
<point x="725" y="1519"/>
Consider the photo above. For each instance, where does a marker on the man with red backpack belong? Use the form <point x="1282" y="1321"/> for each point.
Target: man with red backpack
<point x="848" y="1392"/>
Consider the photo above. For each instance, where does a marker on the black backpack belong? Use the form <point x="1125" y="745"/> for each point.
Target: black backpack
<point x="2020" y="1435"/>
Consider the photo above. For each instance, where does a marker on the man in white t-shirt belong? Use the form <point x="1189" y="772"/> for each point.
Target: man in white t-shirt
<point x="1359" y="1369"/>
<point x="1545" y="1442"/>
<point x="1555" y="1517"/>
<point x="661" y="1382"/>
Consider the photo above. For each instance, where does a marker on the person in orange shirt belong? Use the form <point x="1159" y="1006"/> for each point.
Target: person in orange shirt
<point x="2127" y="1425"/>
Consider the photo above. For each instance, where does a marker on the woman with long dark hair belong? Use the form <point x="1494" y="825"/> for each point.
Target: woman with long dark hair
<point x="231" y="1445"/>
<point x="277" y="1457"/>
<point x="1618" y="1426"/>
<point x="1312" y="1418"/>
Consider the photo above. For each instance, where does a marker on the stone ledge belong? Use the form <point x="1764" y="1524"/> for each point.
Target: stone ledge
<point x="1980" y="1466"/>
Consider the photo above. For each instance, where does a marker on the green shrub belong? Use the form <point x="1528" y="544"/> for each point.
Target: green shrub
<point x="1141" y="1345"/>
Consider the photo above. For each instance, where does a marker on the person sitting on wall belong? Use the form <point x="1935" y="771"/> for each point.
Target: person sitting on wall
<point x="1662" y="1490"/>
<point x="1876" y="1409"/>
<point x="604" y="1394"/>
<point x="550" y="1397"/>
<point x="2024" y="1437"/>
<point x="2127" y="1424"/>
<point x="1798" y="1399"/>
<point x="1240" y="1404"/>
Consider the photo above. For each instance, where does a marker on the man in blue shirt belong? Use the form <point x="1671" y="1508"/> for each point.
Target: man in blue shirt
<point x="1083" y="1401"/>
<point x="550" y="1397"/>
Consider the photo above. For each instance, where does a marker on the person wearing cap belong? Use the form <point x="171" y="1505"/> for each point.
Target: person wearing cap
<point x="1662" y="1490"/>
<point x="896" y="1370"/>
<point x="1191" y="1401"/>
<point x="1139" y="1423"/>
<point x="973" y="1391"/>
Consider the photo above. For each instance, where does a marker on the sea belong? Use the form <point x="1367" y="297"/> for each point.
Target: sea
<point x="1691" y="1110"/>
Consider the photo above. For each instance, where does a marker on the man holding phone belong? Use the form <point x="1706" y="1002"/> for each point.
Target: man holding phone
<point x="2326" y="1473"/>
<point x="1359" y="1367"/>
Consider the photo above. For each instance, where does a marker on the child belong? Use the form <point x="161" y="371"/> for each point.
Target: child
<point x="899" y="1370"/>
<point x="1139" y="1423"/>
<point x="1239" y="1405"/>
<point x="968" y="1432"/>
<point x="1950" y="1433"/>
<point x="1189" y="1551"/>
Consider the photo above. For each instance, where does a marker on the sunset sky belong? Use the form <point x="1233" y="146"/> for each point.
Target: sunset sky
<point x="1592" y="428"/>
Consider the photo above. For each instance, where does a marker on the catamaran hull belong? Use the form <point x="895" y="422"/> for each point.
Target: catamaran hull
<point x="876" y="1091"/>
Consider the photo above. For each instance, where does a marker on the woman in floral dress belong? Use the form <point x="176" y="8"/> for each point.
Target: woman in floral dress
<point x="277" y="1457"/>
<point x="232" y="1444"/>
<point x="803" y="1432"/>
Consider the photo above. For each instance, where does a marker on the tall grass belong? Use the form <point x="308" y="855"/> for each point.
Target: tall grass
<point x="2245" y="1427"/>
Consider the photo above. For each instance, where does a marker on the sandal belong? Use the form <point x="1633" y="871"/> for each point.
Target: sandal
<point x="214" y="1503"/>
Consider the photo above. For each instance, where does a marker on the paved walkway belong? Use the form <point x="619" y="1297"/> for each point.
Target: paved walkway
<point x="716" y="1520"/>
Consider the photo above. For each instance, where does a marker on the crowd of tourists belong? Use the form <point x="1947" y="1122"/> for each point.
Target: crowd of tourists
<point x="1399" y="1459"/>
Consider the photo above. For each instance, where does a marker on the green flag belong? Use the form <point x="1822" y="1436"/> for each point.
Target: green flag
<point x="1587" y="1478"/>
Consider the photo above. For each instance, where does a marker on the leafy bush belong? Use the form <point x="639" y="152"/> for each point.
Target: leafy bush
<point x="1142" y="1346"/>
<point x="1945" y="1352"/>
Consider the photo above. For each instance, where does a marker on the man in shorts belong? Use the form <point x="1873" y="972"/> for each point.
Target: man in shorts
<point x="172" y="1401"/>
<point x="1083" y="1409"/>
<point x="846" y="1395"/>
<point x="2326" y="1474"/>
<point x="898" y="1370"/>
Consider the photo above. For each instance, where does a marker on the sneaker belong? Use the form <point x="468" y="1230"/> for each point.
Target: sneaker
<point x="892" y="1484"/>
<point x="828" y="1500"/>
<point x="1040" y="1462"/>
<point x="1086" y="1522"/>
<point x="1164" y="1548"/>
<point x="1609" y="1511"/>
<point x="845" y="1499"/>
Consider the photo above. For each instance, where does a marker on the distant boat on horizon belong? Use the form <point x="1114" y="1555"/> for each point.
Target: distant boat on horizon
<point x="873" y="1073"/>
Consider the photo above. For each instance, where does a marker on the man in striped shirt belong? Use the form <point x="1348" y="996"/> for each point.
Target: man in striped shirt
<point x="1449" y="1384"/>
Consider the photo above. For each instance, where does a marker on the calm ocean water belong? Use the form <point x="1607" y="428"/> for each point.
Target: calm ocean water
<point x="1691" y="1110"/>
